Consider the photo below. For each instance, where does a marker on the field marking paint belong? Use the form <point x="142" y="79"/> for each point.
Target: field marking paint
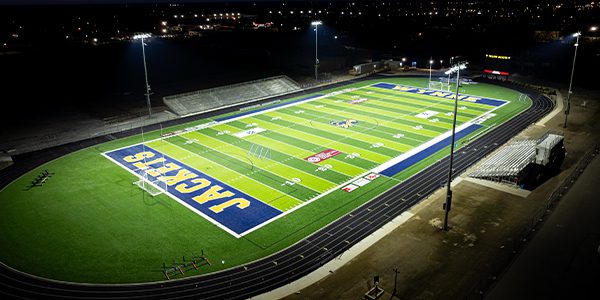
<point x="374" y="170"/>
<point x="173" y="197"/>
<point x="194" y="154"/>
<point x="271" y="165"/>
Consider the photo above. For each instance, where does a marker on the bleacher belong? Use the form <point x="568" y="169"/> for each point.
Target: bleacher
<point x="225" y="96"/>
<point x="509" y="163"/>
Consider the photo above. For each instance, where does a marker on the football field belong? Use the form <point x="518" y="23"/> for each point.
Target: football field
<point x="243" y="171"/>
<point x="237" y="187"/>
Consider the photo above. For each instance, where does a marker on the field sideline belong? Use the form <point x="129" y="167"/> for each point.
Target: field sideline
<point x="88" y="223"/>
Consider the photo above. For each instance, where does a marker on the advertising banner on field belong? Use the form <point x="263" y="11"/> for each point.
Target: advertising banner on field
<point x="323" y="155"/>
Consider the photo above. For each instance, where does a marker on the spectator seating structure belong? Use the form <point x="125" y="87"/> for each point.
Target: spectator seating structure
<point x="230" y="95"/>
<point x="509" y="164"/>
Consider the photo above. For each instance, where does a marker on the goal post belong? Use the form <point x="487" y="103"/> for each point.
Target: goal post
<point x="154" y="187"/>
<point x="439" y="86"/>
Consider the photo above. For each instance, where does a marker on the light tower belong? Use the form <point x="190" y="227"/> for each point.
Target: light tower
<point x="430" y="64"/>
<point x="316" y="24"/>
<point x="456" y="68"/>
<point x="142" y="36"/>
<point x="576" y="35"/>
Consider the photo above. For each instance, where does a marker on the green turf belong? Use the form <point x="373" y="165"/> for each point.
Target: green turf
<point x="89" y="223"/>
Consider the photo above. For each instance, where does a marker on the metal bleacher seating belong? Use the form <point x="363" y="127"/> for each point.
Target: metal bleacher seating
<point x="507" y="164"/>
<point x="225" y="96"/>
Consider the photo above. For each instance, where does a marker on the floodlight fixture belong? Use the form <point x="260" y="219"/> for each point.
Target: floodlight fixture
<point x="142" y="36"/>
<point x="457" y="67"/>
<point x="316" y="23"/>
<point x="577" y="34"/>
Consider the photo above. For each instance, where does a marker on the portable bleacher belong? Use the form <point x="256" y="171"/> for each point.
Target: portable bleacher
<point x="546" y="149"/>
<point x="524" y="163"/>
<point x="509" y="164"/>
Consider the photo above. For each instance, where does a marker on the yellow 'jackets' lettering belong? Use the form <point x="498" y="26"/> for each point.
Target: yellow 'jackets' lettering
<point x="212" y="194"/>
<point x="240" y="202"/>
<point x="138" y="156"/>
<point x="164" y="169"/>
<point x="201" y="183"/>
<point x="177" y="178"/>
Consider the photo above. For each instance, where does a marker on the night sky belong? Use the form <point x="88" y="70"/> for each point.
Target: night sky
<point x="53" y="2"/>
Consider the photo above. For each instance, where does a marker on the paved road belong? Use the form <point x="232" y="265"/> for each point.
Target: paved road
<point x="562" y="260"/>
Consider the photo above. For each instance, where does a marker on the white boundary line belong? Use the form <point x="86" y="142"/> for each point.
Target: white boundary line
<point x="176" y="198"/>
<point x="377" y="169"/>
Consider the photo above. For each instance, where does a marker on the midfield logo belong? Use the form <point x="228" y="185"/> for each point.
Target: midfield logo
<point x="344" y="123"/>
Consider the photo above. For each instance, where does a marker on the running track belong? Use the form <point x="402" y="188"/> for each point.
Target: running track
<point x="299" y="259"/>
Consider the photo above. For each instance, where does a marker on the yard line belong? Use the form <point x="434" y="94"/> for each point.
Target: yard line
<point x="255" y="191"/>
<point x="232" y="161"/>
<point x="272" y="164"/>
<point x="407" y="118"/>
<point x="341" y="143"/>
<point x="347" y="169"/>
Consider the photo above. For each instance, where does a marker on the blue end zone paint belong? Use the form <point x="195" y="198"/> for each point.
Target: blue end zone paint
<point x="401" y="166"/>
<point x="384" y="85"/>
<point x="270" y="107"/>
<point x="424" y="91"/>
<point x="490" y="102"/>
<point x="236" y="219"/>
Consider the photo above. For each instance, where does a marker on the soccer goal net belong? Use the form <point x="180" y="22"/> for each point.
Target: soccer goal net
<point x="439" y="85"/>
<point x="154" y="187"/>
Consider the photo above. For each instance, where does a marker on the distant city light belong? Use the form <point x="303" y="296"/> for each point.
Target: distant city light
<point x="593" y="28"/>
<point x="163" y="23"/>
<point x="95" y="40"/>
<point x="164" y="30"/>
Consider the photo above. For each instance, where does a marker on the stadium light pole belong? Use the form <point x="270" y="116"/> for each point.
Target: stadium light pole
<point x="576" y="35"/>
<point x="316" y="24"/>
<point x="430" y="64"/>
<point x="141" y="37"/>
<point x="456" y="68"/>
